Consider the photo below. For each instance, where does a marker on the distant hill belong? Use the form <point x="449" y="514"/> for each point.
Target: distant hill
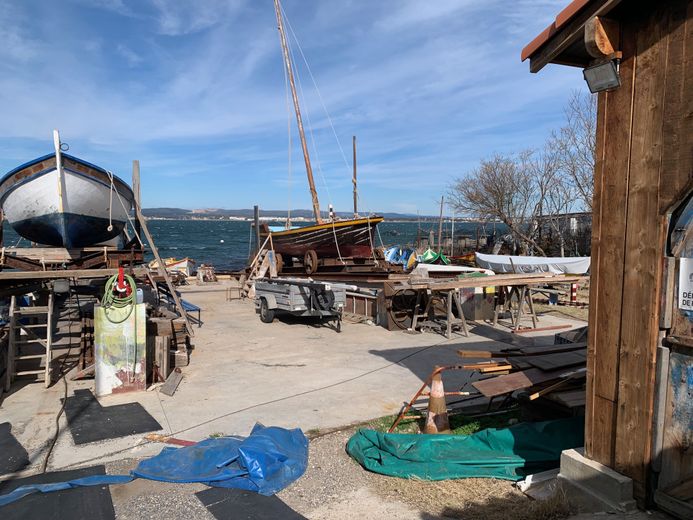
<point x="179" y="213"/>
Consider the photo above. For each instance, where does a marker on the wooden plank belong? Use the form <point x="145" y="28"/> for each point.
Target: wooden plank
<point x="644" y="248"/>
<point x="677" y="130"/>
<point x="569" y="398"/>
<point x="569" y="34"/>
<point x="558" y="361"/>
<point x="499" y="280"/>
<point x="521" y="351"/>
<point x="172" y="382"/>
<point x="161" y="266"/>
<point x="608" y="245"/>
<point x="516" y="381"/>
<point x="62" y="273"/>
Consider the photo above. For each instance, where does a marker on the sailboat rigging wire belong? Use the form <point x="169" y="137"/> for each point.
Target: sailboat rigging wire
<point x="324" y="107"/>
<point x="336" y="243"/>
<point x="316" y="156"/>
<point x="315" y="84"/>
<point x="110" y="206"/>
<point x="127" y="211"/>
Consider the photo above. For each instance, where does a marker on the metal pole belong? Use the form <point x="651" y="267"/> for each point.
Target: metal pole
<point x="256" y="217"/>
<point x="356" y="196"/>
<point x="440" y="227"/>
<point x="136" y="192"/>
<point x="297" y="108"/>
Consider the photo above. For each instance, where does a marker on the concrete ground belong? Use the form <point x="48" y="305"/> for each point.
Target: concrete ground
<point x="291" y="373"/>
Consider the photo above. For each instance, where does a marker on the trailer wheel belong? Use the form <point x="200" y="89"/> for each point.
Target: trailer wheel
<point x="266" y="314"/>
<point x="310" y="261"/>
<point x="278" y="262"/>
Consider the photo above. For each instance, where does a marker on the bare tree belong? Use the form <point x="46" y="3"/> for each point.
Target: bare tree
<point x="575" y="145"/>
<point x="555" y="192"/>
<point x="504" y="188"/>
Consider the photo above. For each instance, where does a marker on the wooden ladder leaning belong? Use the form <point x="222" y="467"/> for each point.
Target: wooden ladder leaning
<point x="264" y="262"/>
<point x="18" y="343"/>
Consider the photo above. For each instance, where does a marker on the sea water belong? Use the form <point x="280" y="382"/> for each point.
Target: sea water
<point x="226" y="244"/>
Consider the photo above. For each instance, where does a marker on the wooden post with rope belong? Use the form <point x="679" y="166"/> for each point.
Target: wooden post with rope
<point x="160" y="263"/>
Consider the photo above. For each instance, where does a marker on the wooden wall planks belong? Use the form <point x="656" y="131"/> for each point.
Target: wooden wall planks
<point x="643" y="253"/>
<point x="644" y="161"/>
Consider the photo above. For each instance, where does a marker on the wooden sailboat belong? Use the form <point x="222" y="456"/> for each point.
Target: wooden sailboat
<point x="63" y="201"/>
<point x="334" y="238"/>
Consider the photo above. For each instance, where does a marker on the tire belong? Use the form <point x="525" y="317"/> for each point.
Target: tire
<point x="310" y="261"/>
<point x="266" y="314"/>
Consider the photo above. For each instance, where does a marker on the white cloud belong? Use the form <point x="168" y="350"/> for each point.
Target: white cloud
<point x="131" y="57"/>
<point x="428" y="87"/>
<point x="178" y="17"/>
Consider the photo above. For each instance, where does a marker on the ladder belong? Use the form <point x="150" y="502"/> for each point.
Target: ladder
<point x="24" y="336"/>
<point x="264" y="261"/>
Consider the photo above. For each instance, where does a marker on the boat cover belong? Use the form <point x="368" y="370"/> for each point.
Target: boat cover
<point x="507" y="453"/>
<point x="431" y="257"/>
<point x="267" y="461"/>
<point x="534" y="264"/>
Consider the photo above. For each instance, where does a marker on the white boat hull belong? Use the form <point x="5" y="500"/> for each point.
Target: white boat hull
<point x="82" y="210"/>
<point x="534" y="264"/>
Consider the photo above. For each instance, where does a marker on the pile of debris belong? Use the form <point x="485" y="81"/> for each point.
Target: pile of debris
<point x="553" y="375"/>
<point x="168" y="343"/>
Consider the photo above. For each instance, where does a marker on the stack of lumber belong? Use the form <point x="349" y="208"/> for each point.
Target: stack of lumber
<point x="553" y="372"/>
<point x="172" y="335"/>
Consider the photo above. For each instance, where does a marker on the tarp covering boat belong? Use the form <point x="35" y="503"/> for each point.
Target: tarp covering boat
<point x="431" y="257"/>
<point x="506" y="453"/>
<point x="534" y="264"/>
<point x="267" y="461"/>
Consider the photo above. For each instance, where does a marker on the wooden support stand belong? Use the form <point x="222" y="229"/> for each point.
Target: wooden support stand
<point x="451" y="297"/>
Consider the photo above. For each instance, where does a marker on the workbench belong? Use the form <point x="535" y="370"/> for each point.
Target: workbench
<point x="509" y="288"/>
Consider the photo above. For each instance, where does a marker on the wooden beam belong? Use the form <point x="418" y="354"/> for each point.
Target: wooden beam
<point x="567" y="35"/>
<point x="64" y="273"/>
<point x="161" y="267"/>
<point x="644" y="248"/>
<point x="602" y="37"/>
<point x="138" y="203"/>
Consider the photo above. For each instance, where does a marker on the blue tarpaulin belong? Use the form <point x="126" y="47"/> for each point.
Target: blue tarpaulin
<point x="266" y="461"/>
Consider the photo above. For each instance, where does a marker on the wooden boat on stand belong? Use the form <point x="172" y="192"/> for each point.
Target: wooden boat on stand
<point x="333" y="242"/>
<point x="62" y="201"/>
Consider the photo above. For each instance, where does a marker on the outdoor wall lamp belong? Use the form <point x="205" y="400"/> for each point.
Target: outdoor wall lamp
<point x="602" y="76"/>
<point x="602" y="38"/>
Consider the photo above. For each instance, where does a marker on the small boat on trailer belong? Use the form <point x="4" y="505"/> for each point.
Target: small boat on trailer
<point x="63" y="201"/>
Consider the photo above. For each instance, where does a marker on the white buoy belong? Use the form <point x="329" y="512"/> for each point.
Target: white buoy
<point x="222" y="241"/>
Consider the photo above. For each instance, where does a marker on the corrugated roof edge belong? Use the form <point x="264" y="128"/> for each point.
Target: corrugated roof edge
<point x="561" y="19"/>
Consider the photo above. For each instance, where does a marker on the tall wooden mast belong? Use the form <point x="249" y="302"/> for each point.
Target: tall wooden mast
<point x="299" y="120"/>
<point x="356" y="193"/>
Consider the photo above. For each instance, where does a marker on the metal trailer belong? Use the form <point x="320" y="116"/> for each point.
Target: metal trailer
<point x="299" y="297"/>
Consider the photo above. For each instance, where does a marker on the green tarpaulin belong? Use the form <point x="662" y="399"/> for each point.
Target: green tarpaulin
<point x="507" y="453"/>
<point x="431" y="257"/>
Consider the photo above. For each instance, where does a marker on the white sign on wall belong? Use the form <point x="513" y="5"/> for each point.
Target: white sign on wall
<point x="686" y="284"/>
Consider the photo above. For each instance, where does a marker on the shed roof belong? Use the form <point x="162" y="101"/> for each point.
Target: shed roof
<point x="562" y="41"/>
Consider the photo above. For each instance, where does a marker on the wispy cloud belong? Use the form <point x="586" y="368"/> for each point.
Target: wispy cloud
<point x="195" y="89"/>
<point x="131" y="57"/>
<point x="178" y="17"/>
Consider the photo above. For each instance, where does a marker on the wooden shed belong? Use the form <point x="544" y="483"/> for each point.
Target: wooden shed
<point x="640" y="372"/>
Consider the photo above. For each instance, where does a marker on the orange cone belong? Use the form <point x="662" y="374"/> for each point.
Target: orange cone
<point x="437" y="418"/>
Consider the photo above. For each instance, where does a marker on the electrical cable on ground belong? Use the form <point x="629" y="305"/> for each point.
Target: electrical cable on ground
<point x="44" y="464"/>
<point x="265" y="403"/>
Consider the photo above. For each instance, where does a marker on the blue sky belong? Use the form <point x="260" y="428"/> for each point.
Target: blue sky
<point x="195" y="91"/>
